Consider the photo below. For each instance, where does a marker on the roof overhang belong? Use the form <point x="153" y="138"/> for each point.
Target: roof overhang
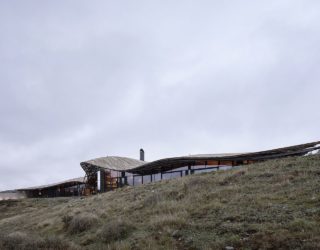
<point x="166" y="164"/>
<point x="64" y="184"/>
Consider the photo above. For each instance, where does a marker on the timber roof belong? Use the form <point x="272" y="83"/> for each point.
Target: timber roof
<point x="66" y="183"/>
<point x="115" y="163"/>
<point x="142" y="167"/>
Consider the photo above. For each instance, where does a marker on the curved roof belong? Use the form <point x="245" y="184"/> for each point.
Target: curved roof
<point x="66" y="183"/>
<point x="141" y="167"/>
<point x="114" y="163"/>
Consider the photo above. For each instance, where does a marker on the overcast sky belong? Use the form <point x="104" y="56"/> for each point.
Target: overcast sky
<point x="85" y="79"/>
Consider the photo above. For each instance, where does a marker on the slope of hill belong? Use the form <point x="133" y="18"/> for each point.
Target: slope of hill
<point x="275" y="204"/>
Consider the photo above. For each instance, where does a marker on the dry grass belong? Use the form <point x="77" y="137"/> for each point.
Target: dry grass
<point x="272" y="205"/>
<point x="79" y="223"/>
<point x="23" y="241"/>
<point x="115" y="230"/>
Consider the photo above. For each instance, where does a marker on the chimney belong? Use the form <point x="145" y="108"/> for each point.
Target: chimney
<point x="141" y="155"/>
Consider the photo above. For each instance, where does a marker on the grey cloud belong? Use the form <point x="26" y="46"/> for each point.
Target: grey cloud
<point x="84" y="80"/>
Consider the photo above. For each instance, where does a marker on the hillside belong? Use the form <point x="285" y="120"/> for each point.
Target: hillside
<point x="275" y="204"/>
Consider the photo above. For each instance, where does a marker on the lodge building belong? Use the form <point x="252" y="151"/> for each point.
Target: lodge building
<point x="72" y="187"/>
<point x="111" y="172"/>
<point x="108" y="173"/>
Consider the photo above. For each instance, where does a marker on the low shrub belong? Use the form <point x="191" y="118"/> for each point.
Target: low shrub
<point x="17" y="240"/>
<point x="79" y="223"/>
<point x="23" y="241"/>
<point x="115" y="230"/>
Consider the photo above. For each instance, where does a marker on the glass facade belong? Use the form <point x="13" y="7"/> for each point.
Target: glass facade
<point x="110" y="179"/>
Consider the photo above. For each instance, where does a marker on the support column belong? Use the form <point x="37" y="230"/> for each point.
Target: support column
<point x="120" y="182"/>
<point x="102" y="180"/>
<point x="124" y="180"/>
<point x="189" y="169"/>
<point x="192" y="170"/>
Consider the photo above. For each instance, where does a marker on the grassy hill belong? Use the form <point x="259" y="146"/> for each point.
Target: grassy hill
<point x="275" y="204"/>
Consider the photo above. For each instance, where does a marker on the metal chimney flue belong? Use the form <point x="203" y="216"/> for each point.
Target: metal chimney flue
<point x="141" y="155"/>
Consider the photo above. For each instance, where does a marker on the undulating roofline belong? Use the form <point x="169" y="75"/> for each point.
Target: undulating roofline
<point x="141" y="167"/>
<point x="70" y="182"/>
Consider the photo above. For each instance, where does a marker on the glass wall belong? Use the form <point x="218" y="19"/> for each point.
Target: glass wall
<point x="110" y="179"/>
<point x="136" y="180"/>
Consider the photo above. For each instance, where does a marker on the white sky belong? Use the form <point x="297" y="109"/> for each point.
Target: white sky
<point x="85" y="79"/>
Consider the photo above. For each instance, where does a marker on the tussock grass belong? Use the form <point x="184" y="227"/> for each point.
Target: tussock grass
<point x="271" y="205"/>
<point x="115" y="230"/>
<point x="23" y="241"/>
<point x="79" y="223"/>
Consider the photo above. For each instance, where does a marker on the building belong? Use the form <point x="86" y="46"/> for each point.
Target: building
<point x="11" y="195"/>
<point x="72" y="187"/>
<point x="108" y="173"/>
<point x="111" y="172"/>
